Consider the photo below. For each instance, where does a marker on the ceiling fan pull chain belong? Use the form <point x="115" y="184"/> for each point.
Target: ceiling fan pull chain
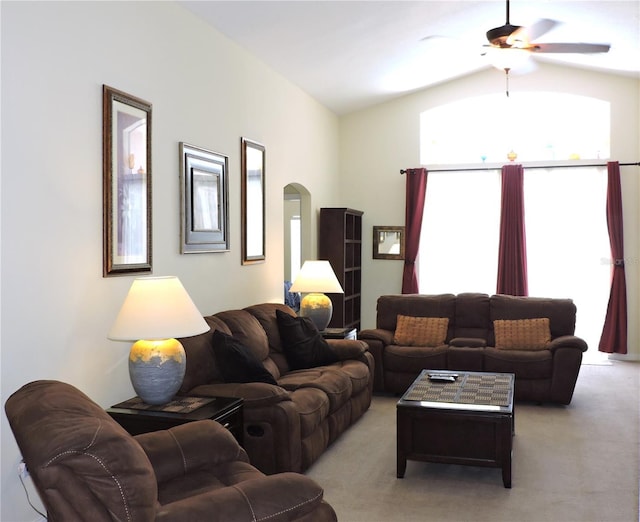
<point x="506" y="70"/>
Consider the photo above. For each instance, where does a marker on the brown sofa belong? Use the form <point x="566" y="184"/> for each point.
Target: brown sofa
<point x="86" y="467"/>
<point x="287" y="425"/>
<point x="543" y="375"/>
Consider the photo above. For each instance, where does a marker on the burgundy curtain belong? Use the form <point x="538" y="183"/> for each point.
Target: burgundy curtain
<point x="416" y="192"/>
<point x="614" y="332"/>
<point x="512" y="252"/>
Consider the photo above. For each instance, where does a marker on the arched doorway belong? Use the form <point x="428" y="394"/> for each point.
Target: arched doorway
<point x="297" y="230"/>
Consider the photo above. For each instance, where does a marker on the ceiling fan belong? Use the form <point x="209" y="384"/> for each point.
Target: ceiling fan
<point x="517" y="37"/>
<point x="510" y="45"/>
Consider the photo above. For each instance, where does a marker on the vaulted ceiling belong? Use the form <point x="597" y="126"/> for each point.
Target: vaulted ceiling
<point x="350" y="55"/>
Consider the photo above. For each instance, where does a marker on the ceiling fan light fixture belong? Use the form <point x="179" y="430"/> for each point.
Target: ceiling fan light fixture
<point x="508" y="58"/>
<point x="498" y="35"/>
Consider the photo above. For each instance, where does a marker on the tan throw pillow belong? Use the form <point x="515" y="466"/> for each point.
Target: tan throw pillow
<point x="522" y="334"/>
<point x="420" y="331"/>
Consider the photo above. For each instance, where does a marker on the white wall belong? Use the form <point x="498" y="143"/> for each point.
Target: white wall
<point x="55" y="306"/>
<point x="206" y="91"/>
<point x="376" y="143"/>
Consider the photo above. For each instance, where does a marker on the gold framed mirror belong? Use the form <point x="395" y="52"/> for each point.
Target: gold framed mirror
<point x="127" y="234"/>
<point x="388" y="242"/>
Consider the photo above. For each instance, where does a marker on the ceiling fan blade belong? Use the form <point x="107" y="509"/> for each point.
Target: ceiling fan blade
<point x="585" y="48"/>
<point x="438" y="38"/>
<point x="529" y="33"/>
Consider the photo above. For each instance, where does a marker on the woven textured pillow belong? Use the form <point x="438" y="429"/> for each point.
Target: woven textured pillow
<point x="420" y="331"/>
<point x="522" y="334"/>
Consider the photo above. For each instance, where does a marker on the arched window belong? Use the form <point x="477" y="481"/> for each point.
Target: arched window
<point x="537" y="126"/>
<point x="567" y="239"/>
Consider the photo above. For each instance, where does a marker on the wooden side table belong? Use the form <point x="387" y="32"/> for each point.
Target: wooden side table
<point x="339" y="333"/>
<point x="137" y="417"/>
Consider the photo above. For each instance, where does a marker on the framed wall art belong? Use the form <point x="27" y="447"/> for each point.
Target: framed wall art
<point x="204" y="201"/>
<point x="388" y="242"/>
<point x="127" y="237"/>
<point x="253" y="201"/>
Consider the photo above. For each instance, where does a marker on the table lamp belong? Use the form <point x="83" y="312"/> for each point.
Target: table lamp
<point x="155" y="311"/>
<point x="314" y="278"/>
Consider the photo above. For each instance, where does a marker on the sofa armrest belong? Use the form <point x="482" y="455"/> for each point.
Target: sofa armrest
<point x="568" y="341"/>
<point x="471" y="342"/>
<point x="378" y="334"/>
<point x="189" y="447"/>
<point x="377" y="340"/>
<point x="348" y="348"/>
<point x="255" y="394"/>
<point x="285" y="496"/>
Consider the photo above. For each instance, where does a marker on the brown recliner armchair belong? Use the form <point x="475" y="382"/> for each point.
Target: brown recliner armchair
<point x="86" y="467"/>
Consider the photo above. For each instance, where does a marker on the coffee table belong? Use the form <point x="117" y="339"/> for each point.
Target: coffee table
<point x="468" y="420"/>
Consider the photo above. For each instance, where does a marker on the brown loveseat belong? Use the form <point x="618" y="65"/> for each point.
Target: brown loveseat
<point x="86" y="467"/>
<point x="290" y="422"/>
<point x="548" y="374"/>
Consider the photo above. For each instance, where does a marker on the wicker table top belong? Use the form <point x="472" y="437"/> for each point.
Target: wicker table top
<point x="471" y="388"/>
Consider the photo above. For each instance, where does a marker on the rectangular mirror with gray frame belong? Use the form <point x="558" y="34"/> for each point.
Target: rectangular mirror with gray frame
<point x="204" y="205"/>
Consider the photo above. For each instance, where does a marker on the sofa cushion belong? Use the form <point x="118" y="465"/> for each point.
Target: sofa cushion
<point x="303" y="345"/>
<point x="412" y="359"/>
<point x="245" y="328"/>
<point x="522" y="334"/>
<point x="312" y="406"/>
<point x="249" y="331"/>
<point x="472" y="315"/>
<point x="561" y="312"/>
<point x="420" y="331"/>
<point x="417" y="305"/>
<point x="532" y="364"/>
<point x="336" y="385"/>
<point x="201" y="361"/>
<point x="357" y="371"/>
<point x="265" y="313"/>
<point x="238" y="363"/>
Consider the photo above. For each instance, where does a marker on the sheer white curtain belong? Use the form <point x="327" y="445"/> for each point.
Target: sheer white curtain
<point x="460" y="233"/>
<point x="567" y="242"/>
<point x="567" y="239"/>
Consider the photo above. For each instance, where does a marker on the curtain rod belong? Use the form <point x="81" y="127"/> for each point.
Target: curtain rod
<point x="636" y="164"/>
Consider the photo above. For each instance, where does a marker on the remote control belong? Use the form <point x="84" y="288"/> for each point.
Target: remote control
<point x="442" y="377"/>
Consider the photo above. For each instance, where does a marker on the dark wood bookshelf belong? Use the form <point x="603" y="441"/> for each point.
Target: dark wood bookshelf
<point x="340" y="242"/>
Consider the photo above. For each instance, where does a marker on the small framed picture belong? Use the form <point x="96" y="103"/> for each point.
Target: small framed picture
<point x="204" y="201"/>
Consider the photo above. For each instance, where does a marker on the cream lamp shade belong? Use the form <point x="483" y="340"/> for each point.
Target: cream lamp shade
<point x="315" y="278"/>
<point x="155" y="311"/>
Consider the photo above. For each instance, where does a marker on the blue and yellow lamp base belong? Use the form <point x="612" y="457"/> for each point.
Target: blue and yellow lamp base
<point x="317" y="307"/>
<point x="156" y="369"/>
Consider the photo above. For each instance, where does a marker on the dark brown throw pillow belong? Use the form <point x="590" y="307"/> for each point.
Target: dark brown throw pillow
<point x="237" y="363"/>
<point x="303" y="345"/>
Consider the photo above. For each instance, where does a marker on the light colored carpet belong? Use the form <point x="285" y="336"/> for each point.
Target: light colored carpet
<point x="570" y="463"/>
